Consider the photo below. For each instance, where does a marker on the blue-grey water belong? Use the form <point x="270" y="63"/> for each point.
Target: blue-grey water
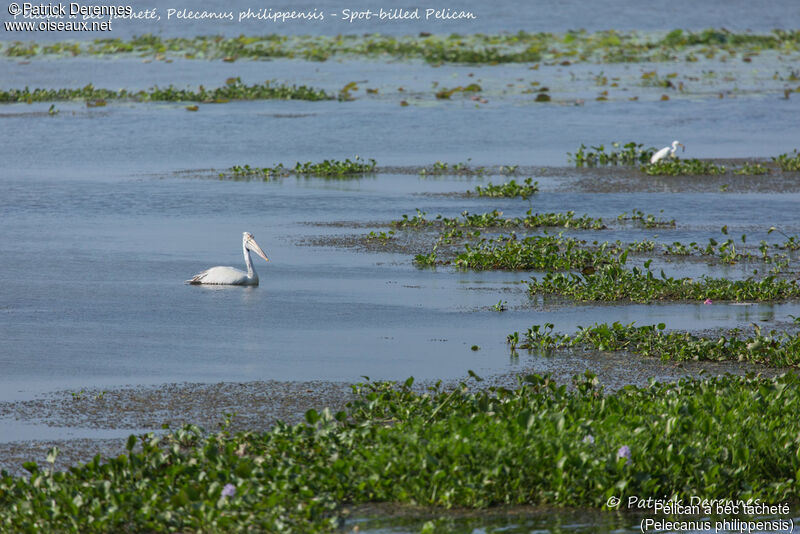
<point x="93" y="273"/>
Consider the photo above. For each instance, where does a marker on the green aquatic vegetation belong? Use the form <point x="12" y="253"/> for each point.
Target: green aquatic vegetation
<point x="426" y="260"/>
<point x="383" y="237"/>
<point x="681" y="167"/>
<point x="788" y="162"/>
<point x="508" y="169"/>
<point x="538" y="443"/>
<point x="509" y="189"/>
<point x="776" y="349"/>
<point x="560" y="220"/>
<point x="344" y="93"/>
<point x="328" y="167"/>
<point x="751" y="169"/>
<point x="416" y="221"/>
<point x="233" y="89"/>
<point x="501" y="306"/>
<point x="792" y="242"/>
<point x="445" y="94"/>
<point x="495" y="219"/>
<point x="462" y="168"/>
<point x="264" y="172"/>
<point x="522" y="47"/>
<point x="727" y="251"/>
<point x="613" y="282"/>
<point x="336" y="168"/>
<point x="629" y="154"/>
<point x="648" y="221"/>
<point x="652" y="79"/>
<point x="533" y="253"/>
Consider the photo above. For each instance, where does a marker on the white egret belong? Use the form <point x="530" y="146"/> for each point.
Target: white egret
<point x="661" y="154"/>
<point x="229" y="275"/>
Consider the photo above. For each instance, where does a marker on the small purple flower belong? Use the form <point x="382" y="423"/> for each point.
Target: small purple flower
<point x="624" y="452"/>
<point x="589" y="439"/>
<point x="229" y="490"/>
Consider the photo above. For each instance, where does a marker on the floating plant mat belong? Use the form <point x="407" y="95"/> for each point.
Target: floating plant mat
<point x="571" y="47"/>
<point x="233" y="89"/>
<point x="775" y="349"/>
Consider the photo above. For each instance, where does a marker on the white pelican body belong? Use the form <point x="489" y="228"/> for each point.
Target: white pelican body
<point x="661" y="154"/>
<point x="229" y="275"/>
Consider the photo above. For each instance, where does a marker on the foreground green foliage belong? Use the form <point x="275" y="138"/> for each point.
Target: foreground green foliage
<point x="616" y="283"/>
<point x="541" y="443"/>
<point x="509" y="189"/>
<point x="328" y="167"/>
<point x="233" y="89"/>
<point x="604" y="46"/>
<point x="777" y="349"/>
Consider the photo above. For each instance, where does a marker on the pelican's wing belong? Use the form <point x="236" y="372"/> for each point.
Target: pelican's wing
<point x="198" y="278"/>
<point x="220" y="275"/>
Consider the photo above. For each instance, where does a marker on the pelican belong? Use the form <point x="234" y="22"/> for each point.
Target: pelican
<point x="661" y="154"/>
<point x="229" y="275"/>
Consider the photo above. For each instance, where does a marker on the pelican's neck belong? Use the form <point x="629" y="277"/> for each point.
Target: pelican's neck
<point x="251" y="273"/>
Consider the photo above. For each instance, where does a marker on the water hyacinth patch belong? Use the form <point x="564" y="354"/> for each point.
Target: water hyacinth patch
<point x="445" y="94"/>
<point x="752" y="169"/>
<point x="509" y="189"/>
<point x="788" y="162"/>
<point x="775" y="349"/>
<point x="624" y="452"/>
<point x="679" y="167"/>
<point x="233" y="89"/>
<point x="327" y="167"/>
<point x="630" y="154"/>
<point x="446" y="448"/>
<point x="463" y="168"/>
<point x="647" y="221"/>
<point x="614" y="282"/>
<point x="533" y="253"/>
<point x="495" y="219"/>
<point x="609" y="46"/>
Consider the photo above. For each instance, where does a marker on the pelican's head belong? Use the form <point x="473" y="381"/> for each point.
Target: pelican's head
<point x="675" y="145"/>
<point x="249" y="242"/>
